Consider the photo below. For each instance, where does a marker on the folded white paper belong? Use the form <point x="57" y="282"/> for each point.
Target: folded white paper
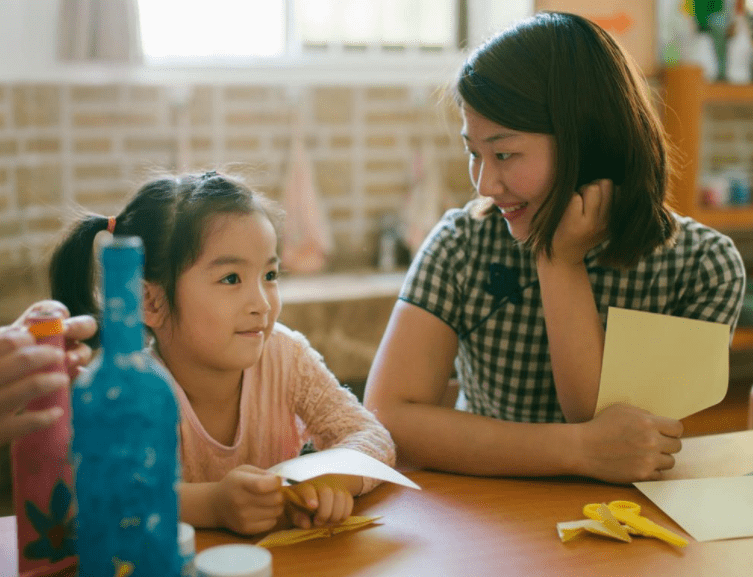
<point x="339" y="461"/>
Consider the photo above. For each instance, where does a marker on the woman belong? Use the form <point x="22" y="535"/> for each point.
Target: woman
<point x="571" y="166"/>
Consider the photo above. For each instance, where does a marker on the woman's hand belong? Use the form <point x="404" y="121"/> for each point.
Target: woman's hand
<point x="76" y="329"/>
<point x="22" y="376"/>
<point x="623" y="444"/>
<point x="584" y="223"/>
<point x="248" y="500"/>
<point x="328" y="500"/>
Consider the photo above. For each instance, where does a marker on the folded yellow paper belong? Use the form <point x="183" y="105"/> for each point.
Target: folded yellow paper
<point x="606" y="526"/>
<point x="292" y="536"/>
<point x="607" y="520"/>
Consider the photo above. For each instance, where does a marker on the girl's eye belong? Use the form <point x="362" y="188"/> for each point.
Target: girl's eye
<point x="271" y="275"/>
<point x="471" y="153"/>
<point x="503" y="155"/>
<point x="232" y="278"/>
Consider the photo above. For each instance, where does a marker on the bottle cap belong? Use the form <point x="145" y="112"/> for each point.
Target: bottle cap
<point x="234" y="561"/>
<point x="42" y="324"/>
<point x="186" y="539"/>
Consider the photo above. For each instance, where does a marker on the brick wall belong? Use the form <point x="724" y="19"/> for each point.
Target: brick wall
<point x="65" y="145"/>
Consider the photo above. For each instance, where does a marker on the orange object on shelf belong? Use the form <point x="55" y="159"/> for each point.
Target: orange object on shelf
<point x="742" y="339"/>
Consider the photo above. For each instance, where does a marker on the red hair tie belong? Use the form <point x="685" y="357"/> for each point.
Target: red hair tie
<point x="111" y="224"/>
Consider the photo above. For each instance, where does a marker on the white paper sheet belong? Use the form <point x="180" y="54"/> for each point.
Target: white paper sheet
<point x="721" y="455"/>
<point x="667" y="365"/>
<point x="339" y="461"/>
<point x="708" y="509"/>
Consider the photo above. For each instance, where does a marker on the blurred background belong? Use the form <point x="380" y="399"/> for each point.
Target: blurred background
<point x="335" y="108"/>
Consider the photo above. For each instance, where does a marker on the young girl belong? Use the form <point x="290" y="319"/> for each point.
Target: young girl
<point x="251" y="390"/>
<point x="570" y="162"/>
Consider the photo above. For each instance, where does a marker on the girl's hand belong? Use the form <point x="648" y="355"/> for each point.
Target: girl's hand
<point x="328" y="501"/>
<point x="584" y="223"/>
<point x="248" y="500"/>
<point x="623" y="444"/>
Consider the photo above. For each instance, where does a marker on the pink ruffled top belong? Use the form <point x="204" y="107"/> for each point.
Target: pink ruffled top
<point x="288" y="397"/>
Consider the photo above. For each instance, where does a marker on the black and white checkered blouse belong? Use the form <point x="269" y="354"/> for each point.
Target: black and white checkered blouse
<point x="475" y="277"/>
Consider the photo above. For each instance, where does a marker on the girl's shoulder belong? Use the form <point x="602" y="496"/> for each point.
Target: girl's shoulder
<point x="291" y="346"/>
<point x="285" y="338"/>
<point x="288" y="352"/>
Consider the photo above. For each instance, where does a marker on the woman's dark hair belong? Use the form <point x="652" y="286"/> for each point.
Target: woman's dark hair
<point x="560" y="74"/>
<point x="170" y="214"/>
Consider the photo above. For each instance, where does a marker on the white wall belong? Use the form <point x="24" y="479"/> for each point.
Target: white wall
<point x="27" y="38"/>
<point x="489" y="16"/>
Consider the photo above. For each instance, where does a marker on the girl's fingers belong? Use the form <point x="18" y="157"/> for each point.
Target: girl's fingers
<point x="341" y="507"/>
<point x="299" y="518"/>
<point x="307" y="494"/>
<point x="326" y="501"/>
<point x="16" y="426"/>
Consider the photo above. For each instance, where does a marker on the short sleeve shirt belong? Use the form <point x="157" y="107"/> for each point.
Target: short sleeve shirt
<point x="473" y="275"/>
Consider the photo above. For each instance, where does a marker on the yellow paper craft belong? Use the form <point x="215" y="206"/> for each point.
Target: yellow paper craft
<point x="670" y="366"/>
<point x="292" y="536"/>
<point x="606" y="526"/>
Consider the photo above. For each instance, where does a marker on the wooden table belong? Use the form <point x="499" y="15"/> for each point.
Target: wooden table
<point x="467" y="526"/>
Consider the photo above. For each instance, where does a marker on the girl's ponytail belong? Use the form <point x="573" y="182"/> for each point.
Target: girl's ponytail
<point x="72" y="270"/>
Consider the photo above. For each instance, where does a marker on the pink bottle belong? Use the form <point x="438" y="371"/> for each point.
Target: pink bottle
<point x="42" y="475"/>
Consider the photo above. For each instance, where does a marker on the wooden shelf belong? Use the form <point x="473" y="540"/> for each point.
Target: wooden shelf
<point x="742" y="339"/>
<point x="720" y="92"/>
<point x="686" y="94"/>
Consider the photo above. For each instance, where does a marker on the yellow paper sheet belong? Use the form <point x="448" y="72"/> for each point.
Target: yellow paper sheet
<point x="292" y="536"/>
<point x="670" y="366"/>
<point x="338" y="461"/>
<point x="708" y="509"/>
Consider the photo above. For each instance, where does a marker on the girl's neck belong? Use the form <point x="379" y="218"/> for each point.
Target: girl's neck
<point x="204" y="385"/>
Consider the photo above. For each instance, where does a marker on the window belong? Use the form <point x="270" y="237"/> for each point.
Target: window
<point x="385" y="22"/>
<point x="213" y="29"/>
<point x="217" y="30"/>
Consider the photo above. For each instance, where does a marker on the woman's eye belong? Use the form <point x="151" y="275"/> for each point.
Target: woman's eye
<point x="471" y="154"/>
<point x="271" y="275"/>
<point x="503" y="155"/>
<point x="232" y="278"/>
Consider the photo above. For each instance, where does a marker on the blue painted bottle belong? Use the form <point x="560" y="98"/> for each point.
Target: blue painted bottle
<point x="125" y="437"/>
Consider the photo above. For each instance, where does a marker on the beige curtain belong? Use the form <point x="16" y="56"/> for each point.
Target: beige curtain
<point x="101" y="30"/>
